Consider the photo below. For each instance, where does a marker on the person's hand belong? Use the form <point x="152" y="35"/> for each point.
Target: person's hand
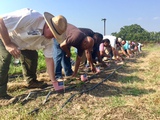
<point x="13" y="50"/>
<point x="103" y="64"/>
<point x="74" y="74"/>
<point x="68" y="54"/>
<point x="128" y="56"/>
<point x="93" y="69"/>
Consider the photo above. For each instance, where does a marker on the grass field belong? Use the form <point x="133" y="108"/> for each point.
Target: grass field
<point x="131" y="93"/>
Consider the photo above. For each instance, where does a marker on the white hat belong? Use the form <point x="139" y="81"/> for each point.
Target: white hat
<point x="57" y="25"/>
<point x="119" y="39"/>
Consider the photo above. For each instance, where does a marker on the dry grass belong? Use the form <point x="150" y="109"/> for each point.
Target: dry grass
<point x="131" y="93"/>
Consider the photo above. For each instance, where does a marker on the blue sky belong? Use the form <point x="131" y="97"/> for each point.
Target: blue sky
<point x="89" y="13"/>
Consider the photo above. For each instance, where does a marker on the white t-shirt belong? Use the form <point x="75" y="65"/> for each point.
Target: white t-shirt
<point x="112" y="40"/>
<point x="25" y="28"/>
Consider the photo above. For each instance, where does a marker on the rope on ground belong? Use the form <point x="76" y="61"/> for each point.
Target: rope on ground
<point x="81" y="92"/>
<point x="36" y="110"/>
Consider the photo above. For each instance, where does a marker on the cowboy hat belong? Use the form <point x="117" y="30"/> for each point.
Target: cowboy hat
<point x="57" y="25"/>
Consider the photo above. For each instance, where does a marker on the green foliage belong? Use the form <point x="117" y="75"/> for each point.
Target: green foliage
<point x="73" y="53"/>
<point x="41" y="63"/>
<point x="14" y="69"/>
<point x="17" y="69"/>
<point x="135" y="32"/>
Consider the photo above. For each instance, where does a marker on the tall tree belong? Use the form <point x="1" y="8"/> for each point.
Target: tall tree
<point x="133" y="32"/>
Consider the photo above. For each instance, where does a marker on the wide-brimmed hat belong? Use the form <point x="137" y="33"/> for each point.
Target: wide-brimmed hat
<point x="57" y="25"/>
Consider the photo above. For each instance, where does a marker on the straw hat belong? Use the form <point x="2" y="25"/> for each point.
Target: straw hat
<point x="57" y="25"/>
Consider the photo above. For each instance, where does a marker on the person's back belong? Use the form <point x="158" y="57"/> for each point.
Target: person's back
<point x="126" y="45"/>
<point x="25" y="25"/>
<point x="87" y="31"/>
<point x="74" y="38"/>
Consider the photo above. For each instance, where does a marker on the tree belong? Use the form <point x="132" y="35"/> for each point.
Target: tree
<point x="133" y="32"/>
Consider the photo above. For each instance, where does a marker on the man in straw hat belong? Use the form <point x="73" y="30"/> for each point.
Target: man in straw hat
<point x="22" y="32"/>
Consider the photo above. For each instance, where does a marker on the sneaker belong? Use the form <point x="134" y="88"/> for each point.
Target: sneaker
<point x="7" y="100"/>
<point x="37" y="84"/>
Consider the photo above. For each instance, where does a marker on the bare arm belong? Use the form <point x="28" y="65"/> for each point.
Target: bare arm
<point x="89" y="58"/>
<point x="114" y="53"/>
<point x="4" y="33"/>
<point x="78" y="60"/>
<point x="4" y="36"/>
<point x="103" y="53"/>
<point x="64" y="47"/>
<point x="124" y="52"/>
<point x="50" y="68"/>
<point x="99" y="56"/>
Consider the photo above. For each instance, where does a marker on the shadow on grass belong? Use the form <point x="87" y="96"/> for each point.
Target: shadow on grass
<point x="112" y="90"/>
<point x="103" y="90"/>
<point x="130" y="79"/>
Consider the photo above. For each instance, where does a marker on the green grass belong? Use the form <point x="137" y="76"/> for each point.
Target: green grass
<point x="73" y="56"/>
<point x="132" y="93"/>
<point x="41" y="63"/>
<point x="14" y="69"/>
<point x="129" y="79"/>
<point x="116" y="101"/>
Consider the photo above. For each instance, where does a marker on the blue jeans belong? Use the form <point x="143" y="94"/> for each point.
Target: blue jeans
<point x="60" y="60"/>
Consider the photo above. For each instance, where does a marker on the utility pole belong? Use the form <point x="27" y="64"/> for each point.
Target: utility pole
<point x="104" y="19"/>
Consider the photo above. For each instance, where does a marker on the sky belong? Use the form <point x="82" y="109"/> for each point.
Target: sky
<point x="89" y="13"/>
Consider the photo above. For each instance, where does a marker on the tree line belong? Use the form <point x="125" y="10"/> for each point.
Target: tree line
<point x="135" y="32"/>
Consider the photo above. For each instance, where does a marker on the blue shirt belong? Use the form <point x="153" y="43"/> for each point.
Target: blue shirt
<point x="126" y="46"/>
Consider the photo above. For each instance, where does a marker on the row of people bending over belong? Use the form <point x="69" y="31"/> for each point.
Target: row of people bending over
<point x="116" y="48"/>
<point x="96" y="48"/>
<point x="25" y="31"/>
